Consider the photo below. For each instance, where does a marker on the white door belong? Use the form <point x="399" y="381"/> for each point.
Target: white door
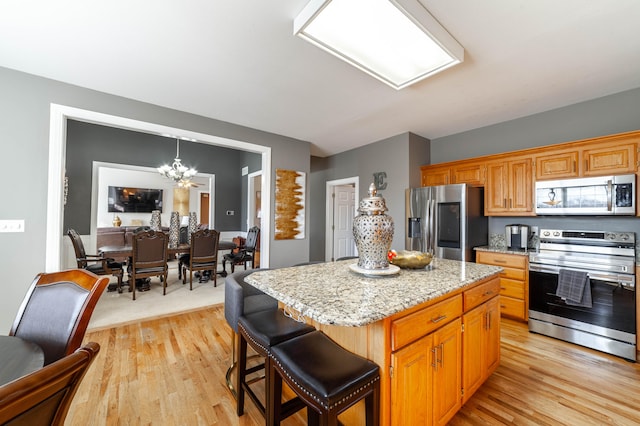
<point x="344" y="210"/>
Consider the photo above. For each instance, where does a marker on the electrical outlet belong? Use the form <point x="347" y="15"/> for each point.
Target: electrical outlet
<point x="12" y="225"/>
<point x="534" y="230"/>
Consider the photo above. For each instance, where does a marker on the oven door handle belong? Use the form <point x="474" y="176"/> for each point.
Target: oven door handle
<point x="628" y="282"/>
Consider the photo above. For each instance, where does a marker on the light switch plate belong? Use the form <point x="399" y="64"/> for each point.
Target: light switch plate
<point x="12" y="225"/>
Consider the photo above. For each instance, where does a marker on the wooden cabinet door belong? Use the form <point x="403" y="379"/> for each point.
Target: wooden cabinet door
<point x="447" y="376"/>
<point x="492" y="328"/>
<point x="610" y="159"/>
<point x="472" y="173"/>
<point x="411" y="383"/>
<point x="480" y="345"/>
<point x="473" y="355"/>
<point x="495" y="192"/>
<point x="520" y="186"/>
<point x="435" y="175"/>
<point x="557" y="165"/>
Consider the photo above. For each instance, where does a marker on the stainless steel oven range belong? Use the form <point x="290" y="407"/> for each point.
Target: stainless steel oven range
<point x="607" y="322"/>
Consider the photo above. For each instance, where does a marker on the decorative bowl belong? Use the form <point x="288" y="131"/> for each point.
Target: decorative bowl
<point x="411" y="259"/>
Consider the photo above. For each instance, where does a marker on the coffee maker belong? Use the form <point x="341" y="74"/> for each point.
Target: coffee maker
<point x="517" y="236"/>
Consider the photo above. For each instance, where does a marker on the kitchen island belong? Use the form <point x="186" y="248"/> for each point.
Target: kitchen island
<point x="410" y="324"/>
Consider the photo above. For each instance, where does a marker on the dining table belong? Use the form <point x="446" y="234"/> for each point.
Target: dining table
<point x="18" y="358"/>
<point x="127" y="251"/>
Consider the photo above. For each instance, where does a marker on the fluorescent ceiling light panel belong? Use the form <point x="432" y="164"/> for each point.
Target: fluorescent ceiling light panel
<point x="396" y="41"/>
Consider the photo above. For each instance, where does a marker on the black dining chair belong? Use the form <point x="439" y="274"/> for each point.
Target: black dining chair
<point x="244" y="254"/>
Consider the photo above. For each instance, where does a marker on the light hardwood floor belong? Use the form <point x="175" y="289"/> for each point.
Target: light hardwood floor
<point x="171" y="371"/>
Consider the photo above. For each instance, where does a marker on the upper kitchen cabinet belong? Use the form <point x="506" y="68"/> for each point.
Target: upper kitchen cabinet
<point x="435" y="175"/>
<point x="610" y="159"/>
<point x="610" y="155"/>
<point x="509" y="188"/>
<point x="471" y="172"/>
<point x="557" y="165"/>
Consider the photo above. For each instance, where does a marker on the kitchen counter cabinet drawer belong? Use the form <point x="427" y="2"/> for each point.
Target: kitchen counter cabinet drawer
<point x="511" y="307"/>
<point x="513" y="274"/>
<point x="480" y="294"/>
<point x="514" y="282"/>
<point x="413" y="326"/>
<point x="501" y="259"/>
<point x="512" y="288"/>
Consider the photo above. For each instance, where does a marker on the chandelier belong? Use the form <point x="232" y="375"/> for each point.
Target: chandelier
<point x="177" y="172"/>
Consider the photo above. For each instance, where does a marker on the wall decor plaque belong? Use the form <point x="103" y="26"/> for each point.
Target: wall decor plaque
<point x="290" y="204"/>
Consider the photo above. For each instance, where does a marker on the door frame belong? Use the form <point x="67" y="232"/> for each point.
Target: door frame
<point x="59" y="114"/>
<point x="251" y="205"/>
<point x="330" y="185"/>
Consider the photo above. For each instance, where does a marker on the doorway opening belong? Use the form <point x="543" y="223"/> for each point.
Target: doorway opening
<point x="341" y="201"/>
<point x="204" y="208"/>
<point x="59" y="115"/>
<point x="254" y="202"/>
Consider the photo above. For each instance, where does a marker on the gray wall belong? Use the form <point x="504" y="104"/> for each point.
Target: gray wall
<point x="88" y="142"/>
<point x="599" y="117"/>
<point x="400" y="157"/>
<point x="24" y="120"/>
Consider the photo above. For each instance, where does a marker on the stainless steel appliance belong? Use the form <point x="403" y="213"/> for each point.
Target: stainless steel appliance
<point x="517" y="236"/>
<point x="608" y="259"/>
<point x="447" y="220"/>
<point x="607" y="195"/>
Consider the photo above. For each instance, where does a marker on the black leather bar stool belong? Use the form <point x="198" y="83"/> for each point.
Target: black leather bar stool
<point x="241" y="298"/>
<point x="327" y="377"/>
<point x="262" y="330"/>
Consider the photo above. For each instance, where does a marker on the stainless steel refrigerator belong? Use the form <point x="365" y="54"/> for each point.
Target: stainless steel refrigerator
<point x="447" y="220"/>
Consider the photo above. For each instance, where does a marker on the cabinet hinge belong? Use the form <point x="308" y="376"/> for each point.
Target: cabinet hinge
<point x="391" y="371"/>
<point x="461" y="391"/>
<point x="463" y="327"/>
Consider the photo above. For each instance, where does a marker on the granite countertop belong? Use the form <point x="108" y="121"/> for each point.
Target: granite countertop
<point x="498" y="249"/>
<point x="331" y="293"/>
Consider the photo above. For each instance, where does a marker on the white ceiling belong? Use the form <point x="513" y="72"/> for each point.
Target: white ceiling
<point x="237" y="61"/>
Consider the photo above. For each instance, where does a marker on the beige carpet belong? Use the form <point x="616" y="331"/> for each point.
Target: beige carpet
<point x="115" y="309"/>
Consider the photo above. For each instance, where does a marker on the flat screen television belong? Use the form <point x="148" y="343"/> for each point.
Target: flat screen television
<point x="134" y="200"/>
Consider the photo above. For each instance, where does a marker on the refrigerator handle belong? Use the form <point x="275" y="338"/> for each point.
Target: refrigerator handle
<point x="431" y="232"/>
<point x="426" y="230"/>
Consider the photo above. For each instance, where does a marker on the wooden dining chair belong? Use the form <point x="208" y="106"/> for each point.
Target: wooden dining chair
<point x="149" y="258"/>
<point x="95" y="263"/>
<point x="203" y="255"/>
<point x="56" y="311"/>
<point x="44" y="396"/>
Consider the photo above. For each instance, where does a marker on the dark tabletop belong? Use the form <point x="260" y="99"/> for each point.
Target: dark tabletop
<point x="181" y="248"/>
<point x="18" y="358"/>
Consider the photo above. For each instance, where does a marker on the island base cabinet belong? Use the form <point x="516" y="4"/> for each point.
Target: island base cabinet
<point x="426" y="377"/>
<point x="481" y="346"/>
<point x="411" y="384"/>
<point x="447" y="344"/>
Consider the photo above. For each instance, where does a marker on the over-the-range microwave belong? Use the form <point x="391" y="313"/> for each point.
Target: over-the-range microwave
<point x="605" y="195"/>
